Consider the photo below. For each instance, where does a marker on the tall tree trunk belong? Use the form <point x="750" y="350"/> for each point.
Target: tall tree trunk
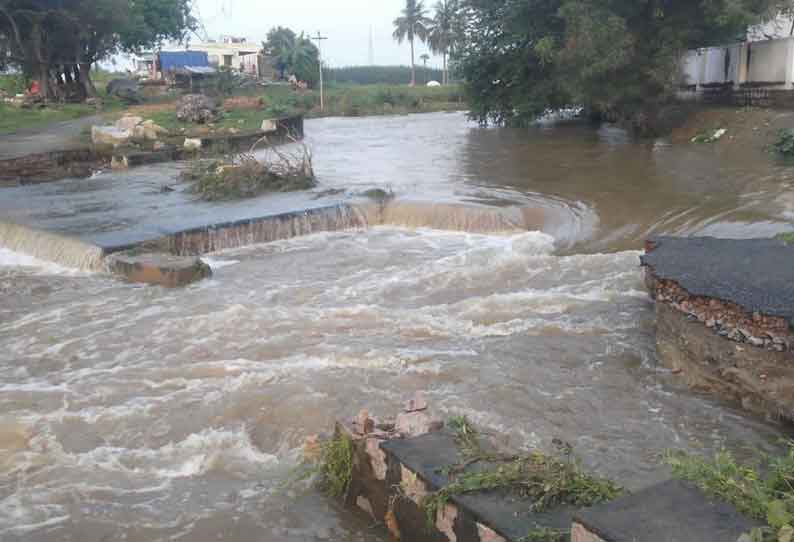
<point x="413" y="64"/>
<point x="85" y="79"/>
<point x="42" y="66"/>
<point x="445" y="76"/>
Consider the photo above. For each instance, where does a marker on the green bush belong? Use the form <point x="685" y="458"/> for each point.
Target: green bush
<point x="785" y="142"/>
<point x="13" y="84"/>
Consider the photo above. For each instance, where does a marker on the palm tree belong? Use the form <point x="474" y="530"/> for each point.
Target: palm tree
<point x="441" y="36"/>
<point x="425" y="57"/>
<point x="413" y="23"/>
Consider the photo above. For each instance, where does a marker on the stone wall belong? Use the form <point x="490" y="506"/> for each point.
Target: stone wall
<point x="397" y="463"/>
<point x="50" y="166"/>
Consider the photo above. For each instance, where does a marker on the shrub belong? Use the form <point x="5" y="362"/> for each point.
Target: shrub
<point x="785" y="142"/>
<point x="767" y="497"/>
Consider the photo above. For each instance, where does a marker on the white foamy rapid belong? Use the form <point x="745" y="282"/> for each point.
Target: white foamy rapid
<point x="11" y="259"/>
<point x="143" y="413"/>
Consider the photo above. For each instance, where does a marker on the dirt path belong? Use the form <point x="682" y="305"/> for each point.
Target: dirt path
<point x="55" y="137"/>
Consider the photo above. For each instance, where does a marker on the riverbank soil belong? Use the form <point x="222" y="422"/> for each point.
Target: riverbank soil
<point x="751" y="126"/>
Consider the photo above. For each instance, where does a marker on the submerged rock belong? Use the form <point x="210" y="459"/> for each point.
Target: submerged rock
<point x="163" y="269"/>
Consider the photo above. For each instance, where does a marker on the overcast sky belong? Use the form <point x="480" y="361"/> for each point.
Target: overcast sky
<point x="345" y="22"/>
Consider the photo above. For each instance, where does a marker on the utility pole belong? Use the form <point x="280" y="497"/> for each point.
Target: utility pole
<point x="371" y="48"/>
<point x="320" y="38"/>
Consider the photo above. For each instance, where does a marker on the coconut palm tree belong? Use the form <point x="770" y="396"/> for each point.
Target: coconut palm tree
<point x="441" y="35"/>
<point x="425" y="57"/>
<point x="413" y="23"/>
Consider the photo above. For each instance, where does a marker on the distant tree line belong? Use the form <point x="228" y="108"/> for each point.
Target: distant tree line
<point x="374" y="75"/>
<point x="56" y="42"/>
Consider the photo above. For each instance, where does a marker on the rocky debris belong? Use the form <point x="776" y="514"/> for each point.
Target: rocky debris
<point x="725" y="318"/>
<point x="416" y="403"/>
<point x="312" y="448"/>
<point x="128" y="122"/>
<point x="162" y="269"/>
<point x="140" y="129"/>
<point x="487" y="534"/>
<point x="128" y="90"/>
<point x="148" y="130"/>
<point x="269" y="126"/>
<point x="110" y="135"/>
<point x="243" y="102"/>
<point x="119" y="163"/>
<point x="197" y="108"/>
<point x="415" y="423"/>
<point x="192" y="144"/>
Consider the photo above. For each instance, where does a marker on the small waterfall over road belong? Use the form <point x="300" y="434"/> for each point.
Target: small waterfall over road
<point x="50" y="247"/>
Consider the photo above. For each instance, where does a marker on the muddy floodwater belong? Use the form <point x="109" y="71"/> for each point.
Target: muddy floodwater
<point x="140" y="414"/>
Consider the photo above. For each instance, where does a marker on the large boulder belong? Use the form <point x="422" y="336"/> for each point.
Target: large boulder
<point x="197" y="108"/>
<point x="148" y="130"/>
<point x="128" y="122"/>
<point x="110" y="135"/>
<point x="163" y="269"/>
<point x="128" y="90"/>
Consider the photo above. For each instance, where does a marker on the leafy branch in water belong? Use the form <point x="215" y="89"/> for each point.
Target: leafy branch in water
<point x="768" y="497"/>
<point x="543" y="480"/>
<point x="336" y="466"/>
<point x="247" y="176"/>
<point x="327" y="464"/>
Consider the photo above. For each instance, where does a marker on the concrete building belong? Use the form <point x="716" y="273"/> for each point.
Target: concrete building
<point x="765" y="64"/>
<point x="233" y="53"/>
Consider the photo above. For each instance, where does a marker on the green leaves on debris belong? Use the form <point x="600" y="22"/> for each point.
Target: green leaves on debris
<point x="787" y="238"/>
<point x="785" y="142"/>
<point x="764" y="492"/>
<point x="543" y="480"/>
<point x="336" y="466"/>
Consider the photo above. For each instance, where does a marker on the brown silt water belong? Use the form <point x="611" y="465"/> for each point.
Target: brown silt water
<point x="503" y="281"/>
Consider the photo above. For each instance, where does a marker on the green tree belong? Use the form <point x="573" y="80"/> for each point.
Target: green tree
<point x="412" y="24"/>
<point x="57" y="41"/>
<point x="441" y="36"/>
<point x="616" y="57"/>
<point x="278" y="45"/>
<point x="293" y="54"/>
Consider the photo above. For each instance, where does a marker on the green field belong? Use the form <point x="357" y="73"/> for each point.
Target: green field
<point x="347" y="100"/>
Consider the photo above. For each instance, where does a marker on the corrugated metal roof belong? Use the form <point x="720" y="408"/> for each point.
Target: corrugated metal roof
<point x="174" y="60"/>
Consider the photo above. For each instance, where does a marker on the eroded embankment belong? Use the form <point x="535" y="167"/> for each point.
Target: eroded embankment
<point x="724" y="311"/>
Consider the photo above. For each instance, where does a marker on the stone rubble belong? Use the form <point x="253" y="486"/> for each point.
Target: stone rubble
<point x="724" y="318"/>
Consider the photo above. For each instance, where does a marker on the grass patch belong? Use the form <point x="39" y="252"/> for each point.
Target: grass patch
<point x="765" y="494"/>
<point x="787" y="237"/>
<point x="244" y="120"/>
<point x="543" y="480"/>
<point x="14" y="119"/>
<point x="13" y="84"/>
<point x="362" y="100"/>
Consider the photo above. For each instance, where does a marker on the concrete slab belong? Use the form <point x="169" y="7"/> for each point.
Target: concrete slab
<point x="673" y="511"/>
<point x="126" y="208"/>
<point x="757" y="274"/>
<point x="505" y="513"/>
